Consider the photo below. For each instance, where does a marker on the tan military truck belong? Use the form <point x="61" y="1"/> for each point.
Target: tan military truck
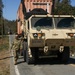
<point x="45" y="35"/>
<point x="49" y="36"/>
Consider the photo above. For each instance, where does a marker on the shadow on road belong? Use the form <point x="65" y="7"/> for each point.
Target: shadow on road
<point x="72" y="61"/>
<point x="20" y="60"/>
<point x="53" y="61"/>
<point x="49" y="61"/>
<point x="6" y="57"/>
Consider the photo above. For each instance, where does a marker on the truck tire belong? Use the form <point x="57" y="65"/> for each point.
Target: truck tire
<point x="24" y="50"/>
<point x="65" y="55"/>
<point x="36" y="55"/>
<point x="24" y="55"/>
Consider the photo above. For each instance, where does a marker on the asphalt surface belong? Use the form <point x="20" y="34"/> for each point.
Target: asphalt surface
<point x="42" y="67"/>
<point x="12" y="66"/>
<point x="47" y="67"/>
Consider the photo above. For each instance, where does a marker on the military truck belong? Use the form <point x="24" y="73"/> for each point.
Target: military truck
<point x="47" y="35"/>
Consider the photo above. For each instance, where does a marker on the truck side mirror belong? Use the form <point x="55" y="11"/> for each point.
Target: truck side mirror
<point x="73" y="24"/>
<point x="38" y="28"/>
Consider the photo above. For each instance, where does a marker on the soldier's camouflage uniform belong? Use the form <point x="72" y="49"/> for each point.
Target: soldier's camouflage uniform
<point x="17" y="46"/>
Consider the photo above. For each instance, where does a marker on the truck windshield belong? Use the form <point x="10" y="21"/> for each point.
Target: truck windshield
<point x="45" y="22"/>
<point x="64" y="22"/>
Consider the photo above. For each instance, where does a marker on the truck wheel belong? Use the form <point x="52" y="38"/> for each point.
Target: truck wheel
<point x="24" y="50"/>
<point x="24" y="55"/>
<point x="36" y="55"/>
<point x="65" y="55"/>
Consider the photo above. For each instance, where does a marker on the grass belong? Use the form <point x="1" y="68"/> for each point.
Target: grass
<point x="4" y="54"/>
<point x="4" y="43"/>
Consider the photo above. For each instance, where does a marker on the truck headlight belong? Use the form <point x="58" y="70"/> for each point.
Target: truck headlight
<point x="35" y="35"/>
<point x="38" y="35"/>
<point x="71" y="34"/>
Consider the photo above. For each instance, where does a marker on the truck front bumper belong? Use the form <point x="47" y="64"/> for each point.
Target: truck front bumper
<point x="53" y="44"/>
<point x="37" y="43"/>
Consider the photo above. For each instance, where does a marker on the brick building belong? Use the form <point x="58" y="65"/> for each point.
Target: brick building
<point x="29" y="5"/>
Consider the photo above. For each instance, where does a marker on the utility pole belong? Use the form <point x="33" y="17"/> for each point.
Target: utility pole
<point x="3" y="27"/>
<point x="2" y="24"/>
<point x="1" y="16"/>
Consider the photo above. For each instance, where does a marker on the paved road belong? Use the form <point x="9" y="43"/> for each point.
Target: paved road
<point x="44" y="67"/>
<point x="12" y="67"/>
<point x="47" y="67"/>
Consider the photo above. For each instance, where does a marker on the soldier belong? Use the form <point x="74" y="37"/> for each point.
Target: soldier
<point x="17" y="46"/>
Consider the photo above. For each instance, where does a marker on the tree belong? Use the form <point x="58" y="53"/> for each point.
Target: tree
<point x="1" y="7"/>
<point x="1" y="17"/>
<point x="67" y="2"/>
<point x="10" y="26"/>
<point x="63" y="7"/>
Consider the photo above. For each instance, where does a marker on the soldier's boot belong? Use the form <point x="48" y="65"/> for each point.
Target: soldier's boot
<point x="72" y="55"/>
<point x="15" y="63"/>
